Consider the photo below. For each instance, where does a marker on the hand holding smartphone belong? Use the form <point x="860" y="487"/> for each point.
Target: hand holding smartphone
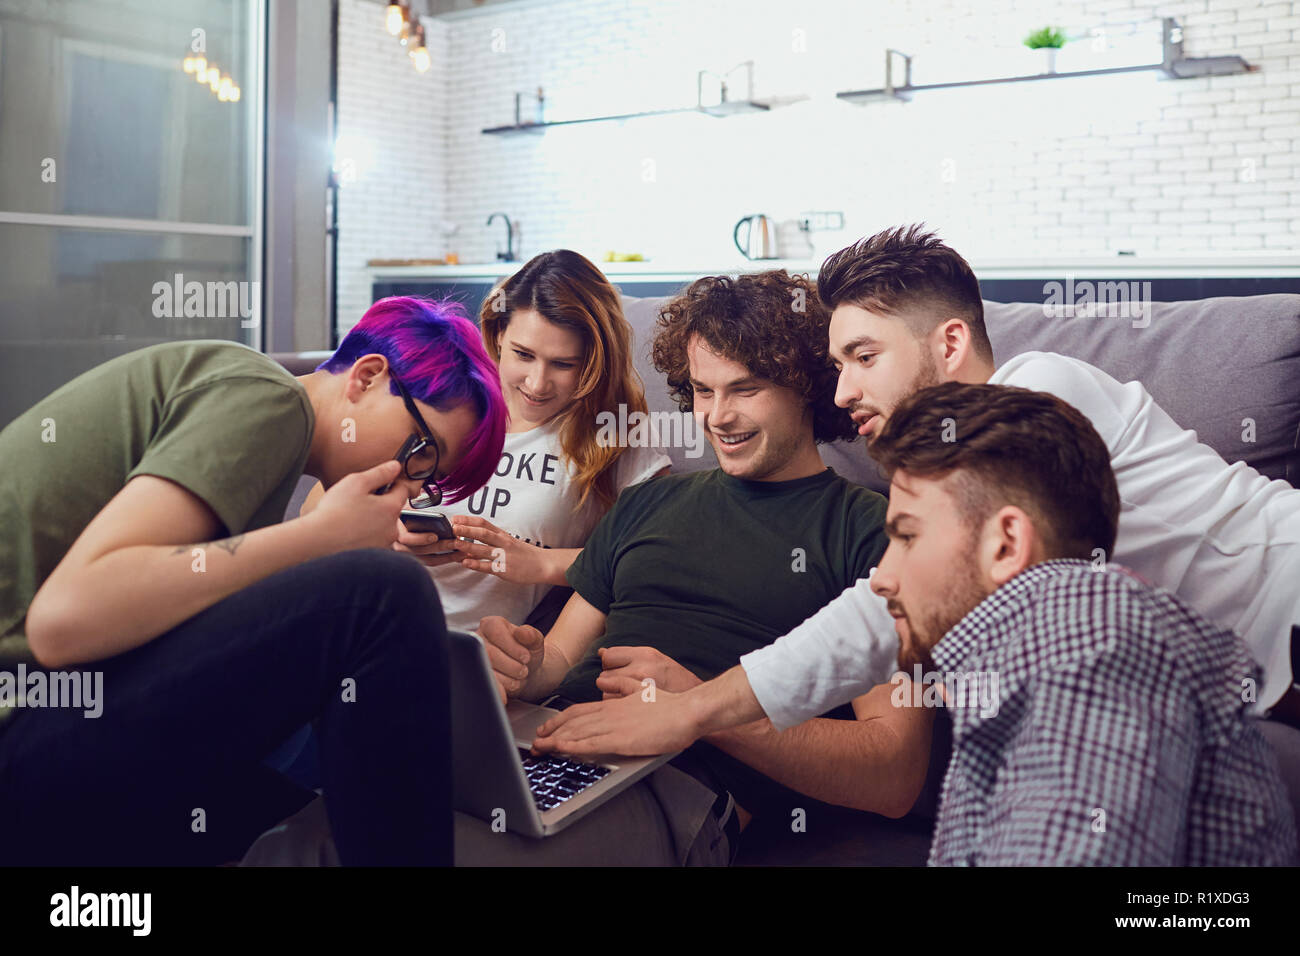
<point x="429" y="522"/>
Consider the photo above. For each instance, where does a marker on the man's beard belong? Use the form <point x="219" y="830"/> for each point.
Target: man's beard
<point x="926" y="376"/>
<point x="958" y="596"/>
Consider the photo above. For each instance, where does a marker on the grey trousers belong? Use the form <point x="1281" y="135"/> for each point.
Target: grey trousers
<point x="664" y="820"/>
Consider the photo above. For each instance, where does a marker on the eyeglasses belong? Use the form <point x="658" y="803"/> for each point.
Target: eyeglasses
<point x="415" y="454"/>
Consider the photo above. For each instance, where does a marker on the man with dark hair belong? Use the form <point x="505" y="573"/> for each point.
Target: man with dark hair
<point x="1120" y="734"/>
<point x="912" y="275"/>
<point x="768" y="322"/>
<point x="986" y="448"/>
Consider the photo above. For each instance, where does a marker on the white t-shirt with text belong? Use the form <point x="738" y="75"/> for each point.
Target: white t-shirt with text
<point x="531" y="496"/>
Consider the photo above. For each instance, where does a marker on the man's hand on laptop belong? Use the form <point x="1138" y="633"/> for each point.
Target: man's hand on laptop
<point x="643" y="724"/>
<point x="625" y="671"/>
<point x="515" y="652"/>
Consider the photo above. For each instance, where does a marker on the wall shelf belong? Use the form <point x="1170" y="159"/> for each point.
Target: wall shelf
<point x="1173" y="64"/>
<point x="733" y="106"/>
<point x="722" y="108"/>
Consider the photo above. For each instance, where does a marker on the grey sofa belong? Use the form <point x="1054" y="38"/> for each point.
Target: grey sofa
<point x="1212" y="364"/>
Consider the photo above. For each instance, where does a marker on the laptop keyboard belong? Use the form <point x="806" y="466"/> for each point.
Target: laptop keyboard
<point x="554" y="779"/>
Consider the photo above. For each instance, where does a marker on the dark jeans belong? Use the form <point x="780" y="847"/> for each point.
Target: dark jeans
<point x="189" y="717"/>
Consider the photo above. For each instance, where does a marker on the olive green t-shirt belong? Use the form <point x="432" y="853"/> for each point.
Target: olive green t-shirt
<point x="220" y="419"/>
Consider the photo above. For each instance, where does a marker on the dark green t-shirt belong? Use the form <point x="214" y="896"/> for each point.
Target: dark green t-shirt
<point x="218" y="418"/>
<point x="705" y="568"/>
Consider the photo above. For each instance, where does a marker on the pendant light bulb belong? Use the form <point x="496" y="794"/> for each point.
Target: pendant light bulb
<point x="394" y="18"/>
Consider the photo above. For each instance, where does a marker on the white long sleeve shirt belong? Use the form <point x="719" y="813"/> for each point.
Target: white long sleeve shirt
<point x="1224" y="538"/>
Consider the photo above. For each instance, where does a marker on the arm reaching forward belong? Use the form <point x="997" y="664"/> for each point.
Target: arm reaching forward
<point x="838" y="654"/>
<point x="841" y="652"/>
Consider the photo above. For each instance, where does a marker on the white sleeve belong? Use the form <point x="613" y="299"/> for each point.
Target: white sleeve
<point x="635" y="465"/>
<point x="1103" y="401"/>
<point x="841" y="652"/>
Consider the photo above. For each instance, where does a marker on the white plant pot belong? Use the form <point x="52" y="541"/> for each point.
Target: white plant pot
<point x="1048" y="55"/>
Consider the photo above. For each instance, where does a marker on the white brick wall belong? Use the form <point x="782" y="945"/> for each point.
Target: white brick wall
<point x="1077" y="167"/>
<point x="398" y="200"/>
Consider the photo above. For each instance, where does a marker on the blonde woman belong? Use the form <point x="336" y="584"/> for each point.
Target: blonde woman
<point x="564" y="351"/>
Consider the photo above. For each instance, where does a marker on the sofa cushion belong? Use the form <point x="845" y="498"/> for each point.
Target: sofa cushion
<point x="1211" y="364"/>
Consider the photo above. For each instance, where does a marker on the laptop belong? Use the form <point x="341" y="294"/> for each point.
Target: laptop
<point x="494" y="776"/>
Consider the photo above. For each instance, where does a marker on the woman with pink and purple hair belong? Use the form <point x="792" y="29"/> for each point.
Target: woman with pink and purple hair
<point x="145" y="554"/>
<point x="434" y="351"/>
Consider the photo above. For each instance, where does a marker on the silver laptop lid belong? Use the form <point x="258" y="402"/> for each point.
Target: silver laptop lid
<point x="487" y="776"/>
<point x="490" y="782"/>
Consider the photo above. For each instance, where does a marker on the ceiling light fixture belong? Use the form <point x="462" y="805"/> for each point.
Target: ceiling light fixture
<point x="419" y="52"/>
<point x="395" y="18"/>
<point x="401" y="21"/>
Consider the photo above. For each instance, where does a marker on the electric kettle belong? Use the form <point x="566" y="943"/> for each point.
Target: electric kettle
<point x="760" y="237"/>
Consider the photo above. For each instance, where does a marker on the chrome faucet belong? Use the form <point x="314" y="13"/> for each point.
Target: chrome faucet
<point x="509" y="254"/>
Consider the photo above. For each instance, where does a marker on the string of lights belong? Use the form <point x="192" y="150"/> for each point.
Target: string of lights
<point x="400" y="22"/>
<point x="210" y="75"/>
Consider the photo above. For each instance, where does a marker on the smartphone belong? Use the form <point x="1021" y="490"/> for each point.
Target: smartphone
<point x="429" y="522"/>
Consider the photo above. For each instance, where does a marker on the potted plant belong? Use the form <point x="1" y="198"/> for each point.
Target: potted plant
<point x="1049" y="40"/>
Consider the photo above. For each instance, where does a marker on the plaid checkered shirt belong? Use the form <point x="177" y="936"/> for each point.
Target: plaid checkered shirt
<point x="1117" y="736"/>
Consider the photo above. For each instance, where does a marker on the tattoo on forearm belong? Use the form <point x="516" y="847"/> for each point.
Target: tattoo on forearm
<point x="228" y="545"/>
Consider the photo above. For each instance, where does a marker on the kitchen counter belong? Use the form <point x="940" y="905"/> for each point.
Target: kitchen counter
<point x="1224" y="265"/>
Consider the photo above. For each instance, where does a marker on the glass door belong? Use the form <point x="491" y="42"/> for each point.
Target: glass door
<point x="130" y="191"/>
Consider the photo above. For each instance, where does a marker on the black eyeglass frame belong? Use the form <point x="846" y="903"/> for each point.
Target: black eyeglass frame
<point x="413" y="445"/>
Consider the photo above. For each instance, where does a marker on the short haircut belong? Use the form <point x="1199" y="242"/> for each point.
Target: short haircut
<point x="1006" y="445"/>
<point x="770" y="322"/>
<point x="907" y="269"/>
<point x="436" y="352"/>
